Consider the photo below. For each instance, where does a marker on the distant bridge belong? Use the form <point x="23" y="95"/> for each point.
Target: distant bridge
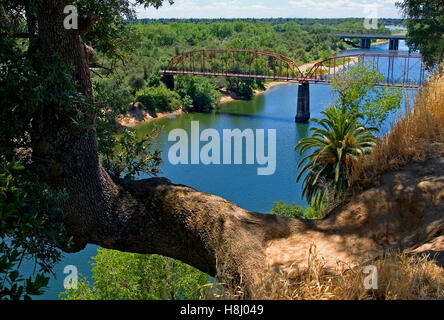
<point x="367" y="38"/>
<point x="405" y="71"/>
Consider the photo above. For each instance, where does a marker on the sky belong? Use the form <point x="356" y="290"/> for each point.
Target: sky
<point x="274" y="9"/>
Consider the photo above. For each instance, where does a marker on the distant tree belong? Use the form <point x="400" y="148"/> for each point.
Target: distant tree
<point x="282" y="209"/>
<point x="359" y="95"/>
<point x="425" y="23"/>
<point x="201" y="91"/>
<point x="242" y="87"/>
<point x="136" y="83"/>
<point x="160" y="99"/>
<point x="154" y="80"/>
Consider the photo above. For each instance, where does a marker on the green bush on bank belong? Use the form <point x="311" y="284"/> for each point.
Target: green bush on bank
<point x="159" y="99"/>
<point x="197" y="93"/>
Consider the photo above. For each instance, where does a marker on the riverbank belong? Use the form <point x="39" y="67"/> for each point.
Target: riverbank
<point x="379" y="42"/>
<point x="227" y="96"/>
<point x="138" y="116"/>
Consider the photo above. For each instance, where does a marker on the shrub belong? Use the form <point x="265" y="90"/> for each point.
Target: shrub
<point x="136" y="84"/>
<point x="201" y="91"/>
<point x="160" y="99"/>
<point x="280" y="208"/>
<point x="139" y="277"/>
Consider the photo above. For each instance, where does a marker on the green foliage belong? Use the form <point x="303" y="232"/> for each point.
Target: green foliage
<point x="338" y="141"/>
<point x="280" y="208"/>
<point x="132" y="157"/>
<point x="136" y="83"/>
<point x="30" y="227"/>
<point x="126" y="276"/>
<point x="358" y="94"/>
<point x="154" y="80"/>
<point x="244" y="87"/>
<point x="111" y="98"/>
<point x="28" y="230"/>
<point x="122" y="155"/>
<point x="160" y="99"/>
<point x="24" y="91"/>
<point x="198" y="90"/>
<point x="110" y="33"/>
<point x="425" y="24"/>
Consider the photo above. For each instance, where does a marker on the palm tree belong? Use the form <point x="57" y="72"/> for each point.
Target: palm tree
<point x="339" y="141"/>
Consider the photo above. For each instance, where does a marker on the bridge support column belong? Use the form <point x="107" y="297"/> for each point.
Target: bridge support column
<point x="168" y="79"/>
<point x="303" y="110"/>
<point x="394" y="44"/>
<point x="366" y="43"/>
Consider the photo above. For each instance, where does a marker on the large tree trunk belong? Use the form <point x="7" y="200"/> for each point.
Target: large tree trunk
<point x="155" y="216"/>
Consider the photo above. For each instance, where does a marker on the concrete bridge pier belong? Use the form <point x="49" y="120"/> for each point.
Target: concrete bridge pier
<point x="366" y="43"/>
<point x="168" y="79"/>
<point x="303" y="110"/>
<point x="394" y="44"/>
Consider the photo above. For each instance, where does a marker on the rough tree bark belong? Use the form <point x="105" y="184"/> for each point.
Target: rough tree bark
<point x="155" y="216"/>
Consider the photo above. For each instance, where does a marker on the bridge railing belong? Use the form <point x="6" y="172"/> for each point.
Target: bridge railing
<point x="235" y="62"/>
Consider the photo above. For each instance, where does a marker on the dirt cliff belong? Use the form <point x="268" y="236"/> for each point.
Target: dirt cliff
<point x="404" y="210"/>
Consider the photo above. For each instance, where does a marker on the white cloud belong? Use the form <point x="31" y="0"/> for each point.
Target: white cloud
<point x="271" y="9"/>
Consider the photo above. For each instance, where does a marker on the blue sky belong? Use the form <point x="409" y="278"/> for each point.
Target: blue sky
<point x="274" y="9"/>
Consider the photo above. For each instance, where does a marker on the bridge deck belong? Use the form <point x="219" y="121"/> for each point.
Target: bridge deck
<point x="275" y="78"/>
<point x="373" y="36"/>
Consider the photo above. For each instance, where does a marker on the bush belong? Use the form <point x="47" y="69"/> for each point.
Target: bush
<point x="241" y="87"/>
<point x="136" y="83"/>
<point x="280" y="208"/>
<point x="200" y="91"/>
<point x="160" y="99"/>
<point x="139" y="277"/>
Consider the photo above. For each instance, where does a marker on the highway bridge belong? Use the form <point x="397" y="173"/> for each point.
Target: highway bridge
<point x="367" y="38"/>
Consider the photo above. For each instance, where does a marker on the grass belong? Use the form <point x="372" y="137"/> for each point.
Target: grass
<point x="415" y="137"/>
<point x="400" y="276"/>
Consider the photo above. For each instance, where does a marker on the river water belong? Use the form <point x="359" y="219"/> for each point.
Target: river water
<point x="275" y="109"/>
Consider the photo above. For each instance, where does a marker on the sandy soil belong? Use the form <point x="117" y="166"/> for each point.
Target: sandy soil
<point x="138" y="116"/>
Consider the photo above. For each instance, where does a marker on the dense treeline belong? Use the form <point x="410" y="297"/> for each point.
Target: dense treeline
<point x="152" y="43"/>
<point x="277" y="21"/>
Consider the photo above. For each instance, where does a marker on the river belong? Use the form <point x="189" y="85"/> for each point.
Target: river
<point x="275" y="109"/>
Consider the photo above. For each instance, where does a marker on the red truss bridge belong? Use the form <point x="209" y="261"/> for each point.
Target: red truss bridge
<point x="405" y="71"/>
